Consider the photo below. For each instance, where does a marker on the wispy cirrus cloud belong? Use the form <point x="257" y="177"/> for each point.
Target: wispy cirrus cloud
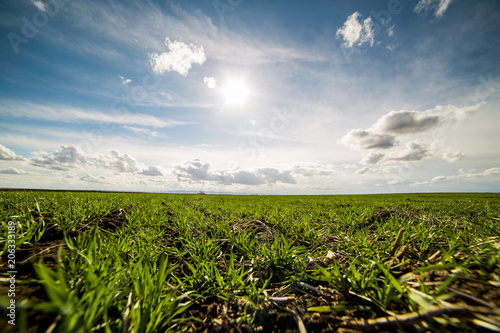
<point x="463" y="174"/>
<point x="69" y="114"/>
<point x="438" y="6"/>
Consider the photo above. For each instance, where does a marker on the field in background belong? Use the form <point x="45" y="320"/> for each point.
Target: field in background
<point x="130" y="262"/>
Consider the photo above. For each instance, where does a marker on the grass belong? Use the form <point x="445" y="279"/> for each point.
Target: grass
<point x="122" y="262"/>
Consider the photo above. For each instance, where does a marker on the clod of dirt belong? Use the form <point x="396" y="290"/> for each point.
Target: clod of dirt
<point x="384" y="215"/>
<point x="113" y="220"/>
<point x="254" y="225"/>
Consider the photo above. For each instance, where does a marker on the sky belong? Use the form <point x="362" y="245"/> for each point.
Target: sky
<point x="250" y="96"/>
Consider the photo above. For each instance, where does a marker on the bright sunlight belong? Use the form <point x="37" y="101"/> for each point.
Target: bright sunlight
<point x="235" y="92"/>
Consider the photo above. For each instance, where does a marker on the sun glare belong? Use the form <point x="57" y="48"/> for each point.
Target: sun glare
<point x="235" y="92"/>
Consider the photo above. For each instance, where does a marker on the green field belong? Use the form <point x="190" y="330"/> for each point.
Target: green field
<point x="136" y="262"/>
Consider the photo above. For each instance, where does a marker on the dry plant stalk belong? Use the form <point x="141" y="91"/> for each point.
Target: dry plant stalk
<point x="409" y="319"/>
<point x="398" y="240"/>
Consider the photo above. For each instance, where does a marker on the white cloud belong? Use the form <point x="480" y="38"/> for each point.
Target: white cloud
<point x="125" y="163"/>
<point x="467" y="175"/>
<point x="355" y="33"/>
<point x="405" y="122"/>
<point x="210" y="82"/>
<point x="119" y="162"/>
<point x="372" y="158"/>
<point x="366" y="139"/>
<point x="178" y="59"/>
<point x="94" y="179"/>
<point x="414" y="152"/>
<point x="124" y="80"/>
<point x="390" y="128"/>
<point x="9" y="155"/>
<point x="40" y="5"/>
<point x="71" y="114"/>
<point x="70" y="157"/>
<point x="439" y="6"/>
<point x="363" y="171"/>
<point x="154" y="171"/>
<point x="197" y="170"/>
<point x="314" y="170"/>
<point x="13" y="171"/>
<point x="424" y="183"/>
<point x="142" y="130"/>
<point x="452" y="157"/>
<point x="390" y="31"/>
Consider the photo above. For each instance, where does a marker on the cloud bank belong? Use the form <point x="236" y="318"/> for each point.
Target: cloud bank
<point x="197" y="170"/>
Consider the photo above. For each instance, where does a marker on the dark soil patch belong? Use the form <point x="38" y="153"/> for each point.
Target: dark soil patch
<point x="34" y="292"/>
<point x="46" y="252"/>
<point x="384" y="215"/>
<point x="259" y="227"/>
<point x="113" y="221"/>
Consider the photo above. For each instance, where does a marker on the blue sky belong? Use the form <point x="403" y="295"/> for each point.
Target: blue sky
<point x="245" y="96"/>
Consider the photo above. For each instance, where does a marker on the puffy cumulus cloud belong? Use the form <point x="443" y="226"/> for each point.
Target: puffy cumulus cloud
<point x="272" y="175"/>
<point x="354" y="32"/>
<point x="13" y="171"/>
<point x="72" y="157"/>
<point x="194" y="170"/>
<point x="438" y="6"/>
<point x="366" y="139"/>
<point x="390" y="129"/>
<point x="452" y="157"/>
<point x="179" y="58"/>
<point x="210" y="82"/>
<point x="197" y="170"/>
<point x="9" y="155"/>
<point x="153" y="170"/>
<point x="69" y="157"/>
<point x="119" y="162"/>
<point x="125" y="163"/>
<point x="463" y="174"/>
<point x="373" y="158"/>
<point x="414" y="152"/>
<point x="406" y="122"/>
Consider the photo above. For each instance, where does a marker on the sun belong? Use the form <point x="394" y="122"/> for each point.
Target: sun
<point x="235" y="92"/>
